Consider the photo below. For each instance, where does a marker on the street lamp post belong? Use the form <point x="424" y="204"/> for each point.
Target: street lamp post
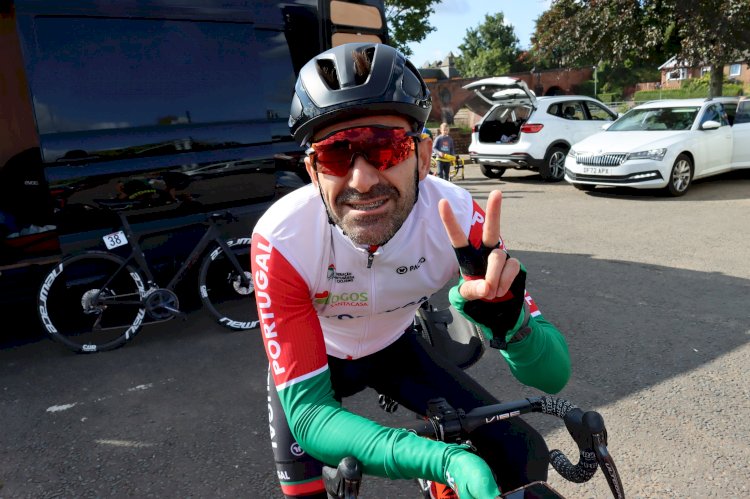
<point x="594" y="67"/>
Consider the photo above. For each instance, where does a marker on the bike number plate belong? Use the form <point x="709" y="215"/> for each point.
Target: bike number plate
<point x="115" y="239"/>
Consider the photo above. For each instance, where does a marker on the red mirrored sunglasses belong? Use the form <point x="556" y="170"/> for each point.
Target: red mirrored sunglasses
<point x="383" y="147"/>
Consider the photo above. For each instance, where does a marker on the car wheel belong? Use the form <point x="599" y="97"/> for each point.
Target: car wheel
<point x="681" y="176"/>
<point x="553" y="169"/>
<point x="584" y="187"/>
<point x="491" y="172"/>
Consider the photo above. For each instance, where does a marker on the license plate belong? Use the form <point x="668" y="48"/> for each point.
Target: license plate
<point x="115" y="239"/>
<point x="597" y="170"/>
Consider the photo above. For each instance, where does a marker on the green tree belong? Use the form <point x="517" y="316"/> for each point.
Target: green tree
<point x="628" y="33"/>
<point x="490" y="49"/>
<point x="408" y="21"/>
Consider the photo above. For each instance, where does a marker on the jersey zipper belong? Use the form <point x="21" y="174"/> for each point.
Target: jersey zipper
<point x="371" y="255"/>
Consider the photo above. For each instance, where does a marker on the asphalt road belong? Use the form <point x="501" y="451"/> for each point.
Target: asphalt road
<point x="652" y="293"/>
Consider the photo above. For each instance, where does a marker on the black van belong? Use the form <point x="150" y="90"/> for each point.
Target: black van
<point x="181" y="103"/>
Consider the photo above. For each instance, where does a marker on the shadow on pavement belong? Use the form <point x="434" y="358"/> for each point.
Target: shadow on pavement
<point x="181" y="410"/>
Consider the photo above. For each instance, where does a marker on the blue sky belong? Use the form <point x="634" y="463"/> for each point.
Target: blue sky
<point x="453" y="17"/>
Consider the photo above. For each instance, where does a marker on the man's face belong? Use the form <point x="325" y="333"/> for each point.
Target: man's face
<point x="371" y="205"/>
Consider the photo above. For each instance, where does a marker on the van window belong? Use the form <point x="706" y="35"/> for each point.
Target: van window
<point x="352" y="14"/>
<point x="105" y="73"/>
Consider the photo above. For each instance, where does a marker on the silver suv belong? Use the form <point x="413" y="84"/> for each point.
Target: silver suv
<point x="523" y="131"/>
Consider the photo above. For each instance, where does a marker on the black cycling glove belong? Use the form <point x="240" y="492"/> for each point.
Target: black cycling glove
<point x="501" y="317"/>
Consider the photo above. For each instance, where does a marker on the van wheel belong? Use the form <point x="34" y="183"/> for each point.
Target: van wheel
<point x="553" y="169"/>
<point x="681" y="176"/>
<point x="491" y="172"/>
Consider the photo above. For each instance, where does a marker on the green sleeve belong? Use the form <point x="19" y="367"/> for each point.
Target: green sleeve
<point x="329" y="433"/>
<point x="540" y="359"/>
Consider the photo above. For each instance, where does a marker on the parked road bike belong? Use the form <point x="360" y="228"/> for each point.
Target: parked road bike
<point x="461" y="342"/>
<point x="94" y="301"/>
<point x="457" y="166"/>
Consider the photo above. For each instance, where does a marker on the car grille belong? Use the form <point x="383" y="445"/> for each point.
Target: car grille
<point x="601" y="159"/>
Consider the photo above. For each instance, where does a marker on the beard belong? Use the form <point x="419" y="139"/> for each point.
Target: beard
<point x="368" y="229"/>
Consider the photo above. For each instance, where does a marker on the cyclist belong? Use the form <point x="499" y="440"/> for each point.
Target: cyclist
<point x="340" y="267"/>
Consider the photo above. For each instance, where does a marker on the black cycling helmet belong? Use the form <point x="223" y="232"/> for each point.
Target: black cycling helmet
<point x="329" y="88"/>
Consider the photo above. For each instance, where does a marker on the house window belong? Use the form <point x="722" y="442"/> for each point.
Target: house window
<point x="734" y="69"/>
<point x="677" y="74"/>
<point x="705" y="70"/>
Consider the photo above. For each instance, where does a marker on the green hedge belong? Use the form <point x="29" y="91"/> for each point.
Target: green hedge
<point x="686" y="92"/>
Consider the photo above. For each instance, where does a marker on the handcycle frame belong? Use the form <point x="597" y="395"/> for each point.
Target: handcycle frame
<point x="160" y="303"/>
<point x="463" y="343"/>
<point x="449" y="425"/>
<point x="457" y="165"/>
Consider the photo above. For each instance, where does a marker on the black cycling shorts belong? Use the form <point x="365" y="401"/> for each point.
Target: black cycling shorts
<point x="412" y="372"/>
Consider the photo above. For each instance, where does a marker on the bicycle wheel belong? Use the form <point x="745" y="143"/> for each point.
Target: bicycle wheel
<point x="228" y="299"/>
<point x="91" y="302"/>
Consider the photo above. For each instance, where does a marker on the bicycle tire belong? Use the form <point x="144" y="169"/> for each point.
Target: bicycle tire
<point x="70" y="308"/>
<point x="231" y="304"/>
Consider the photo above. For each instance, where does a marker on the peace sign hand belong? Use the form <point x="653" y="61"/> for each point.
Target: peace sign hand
<point x="492" y="287"/>
<point x="488" y="271"/>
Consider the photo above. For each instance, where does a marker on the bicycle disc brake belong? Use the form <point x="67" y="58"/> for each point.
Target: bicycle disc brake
<point x="162" y="304"/>
<point x="236" y="281"/>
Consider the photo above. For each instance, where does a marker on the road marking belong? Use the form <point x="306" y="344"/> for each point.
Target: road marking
<point x="58" y="408"/>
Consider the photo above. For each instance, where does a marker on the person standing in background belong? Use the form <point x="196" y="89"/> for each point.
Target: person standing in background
<point x="443" y="145"/>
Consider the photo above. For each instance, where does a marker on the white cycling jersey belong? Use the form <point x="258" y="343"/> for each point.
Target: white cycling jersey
<point x="365" y="300"/>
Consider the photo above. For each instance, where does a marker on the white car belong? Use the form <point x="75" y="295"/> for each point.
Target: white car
<point x="663" y="145"/>
<point x="523" y="131"/>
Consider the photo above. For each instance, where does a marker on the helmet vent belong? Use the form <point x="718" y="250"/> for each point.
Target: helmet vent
<point x="411" y="83"/>
<point x="327" y="71"/>
<point x="363" y="64"/>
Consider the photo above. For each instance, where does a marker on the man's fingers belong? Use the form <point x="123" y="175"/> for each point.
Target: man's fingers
<point x="510" y="270"/>
<point x="491" y="230"/>
<point x="501" y="271"/>
<point x="474" y="290"/>
<point x="452" y="227"/>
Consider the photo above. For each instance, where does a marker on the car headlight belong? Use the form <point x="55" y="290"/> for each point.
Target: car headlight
<point x="572" y="152"/>
<point x="654" y="154"/>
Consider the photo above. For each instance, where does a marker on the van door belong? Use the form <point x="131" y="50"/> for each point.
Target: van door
<point x="352" y="21"/>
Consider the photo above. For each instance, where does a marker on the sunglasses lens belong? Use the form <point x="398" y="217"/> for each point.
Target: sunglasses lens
<point x="382" y="147"/>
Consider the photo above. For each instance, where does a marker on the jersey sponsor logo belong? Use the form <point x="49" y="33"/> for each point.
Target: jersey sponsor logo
<point x="339" y="277"/>
<point x="343" y="317"/>
<point x="283" y="475"/>
<point x="404" y="268"/>
<point x="271" y="427"/>
<point x="354" y="299"/>
<point x="322" y="297"/>
<point x="263" y="300"/>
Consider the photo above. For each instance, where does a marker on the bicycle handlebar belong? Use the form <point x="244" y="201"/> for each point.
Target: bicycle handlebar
<point x="586" y="428"/>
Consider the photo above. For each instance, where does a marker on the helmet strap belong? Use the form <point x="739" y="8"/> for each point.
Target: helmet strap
<point x="322" y="198"/>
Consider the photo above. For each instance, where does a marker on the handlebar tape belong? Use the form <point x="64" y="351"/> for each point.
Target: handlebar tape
<point x="573" y="417"/>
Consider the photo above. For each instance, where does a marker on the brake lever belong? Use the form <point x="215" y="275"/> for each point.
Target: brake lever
<point x="594" y="425"/>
